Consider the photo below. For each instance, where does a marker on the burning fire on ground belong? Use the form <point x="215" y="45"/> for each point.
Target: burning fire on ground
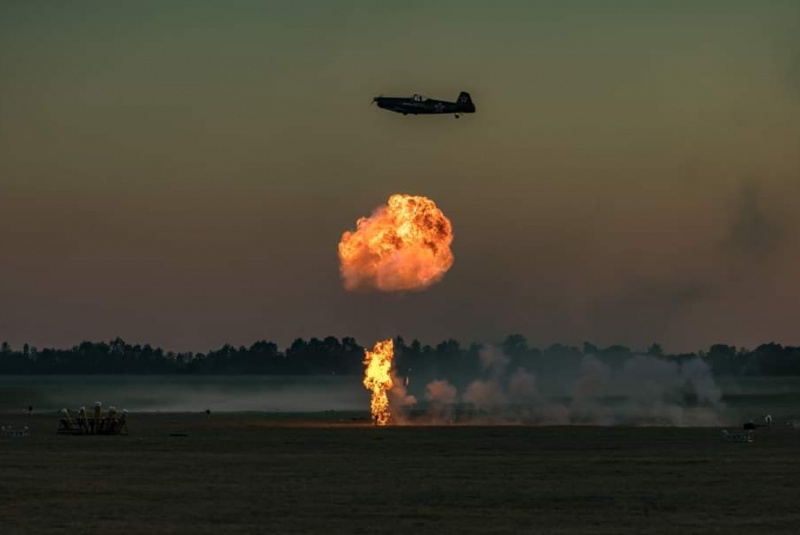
<point x="378" y="379"/>
<point x="403" y="245"/>
<point x="389" y="395"/>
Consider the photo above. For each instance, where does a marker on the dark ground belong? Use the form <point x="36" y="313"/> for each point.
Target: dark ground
<point x="257" y="473"/>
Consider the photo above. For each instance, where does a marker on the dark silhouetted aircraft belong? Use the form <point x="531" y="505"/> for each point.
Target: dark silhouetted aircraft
<point x="419" y="105"/>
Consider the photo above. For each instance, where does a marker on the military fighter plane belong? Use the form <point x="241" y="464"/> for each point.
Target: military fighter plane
<point x="419" y="104"/>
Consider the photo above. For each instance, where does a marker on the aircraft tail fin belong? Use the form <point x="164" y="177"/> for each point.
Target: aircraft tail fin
<point x="465" y="102"/>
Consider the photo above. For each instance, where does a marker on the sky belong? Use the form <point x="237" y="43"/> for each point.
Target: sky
<point x="179" y="173"/>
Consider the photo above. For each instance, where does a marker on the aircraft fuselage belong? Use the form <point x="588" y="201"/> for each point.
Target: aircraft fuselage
<point x="417" y="105"/>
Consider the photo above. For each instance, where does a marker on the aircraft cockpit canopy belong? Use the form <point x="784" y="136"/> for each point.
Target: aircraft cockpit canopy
<point x="418" y="98"/>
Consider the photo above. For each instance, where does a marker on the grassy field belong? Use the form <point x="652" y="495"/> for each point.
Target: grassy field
<point x="260" y="473"/>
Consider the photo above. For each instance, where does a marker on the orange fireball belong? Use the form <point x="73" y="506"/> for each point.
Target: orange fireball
<point x="404" y="245"/>
<point x="378" y="379"/>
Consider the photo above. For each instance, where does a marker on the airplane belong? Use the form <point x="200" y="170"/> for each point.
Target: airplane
<point x="419" y="104"/>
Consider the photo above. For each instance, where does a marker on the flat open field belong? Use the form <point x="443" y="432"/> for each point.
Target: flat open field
<point x="260" y="473"/>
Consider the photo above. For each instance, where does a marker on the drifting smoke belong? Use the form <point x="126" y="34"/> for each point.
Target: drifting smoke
<point x="648" y="390"/>
<point x="403" y="245"/>
<point x="486" y="395"/>
<point x="388" y="394"/>
<point x="522" y="386"/>
<point x="442" y="397"/>
<point x="644" y="391"/>
<point x="399" y="401"/>
<point x="441" y="392"/>
<point x="494" y="360"/>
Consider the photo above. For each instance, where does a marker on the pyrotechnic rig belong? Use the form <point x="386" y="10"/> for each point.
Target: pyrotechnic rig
<point x="111" y="423"/>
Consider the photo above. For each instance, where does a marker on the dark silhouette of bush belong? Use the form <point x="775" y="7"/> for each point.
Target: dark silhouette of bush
<point x="330" y="355"/>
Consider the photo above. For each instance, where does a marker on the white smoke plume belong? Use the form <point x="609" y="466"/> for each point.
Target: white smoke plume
<point x="486" y="398"/>
<point x="522" y="387"/>
<point x="442" y="397"/>
<point x="493" y="359"/>
<point x="399" y="400"/>
<point x="644" y="390"/>
<point x="486" y="395"/>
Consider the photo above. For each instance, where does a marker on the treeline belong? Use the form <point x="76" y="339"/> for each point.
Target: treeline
<point x="344" y="357"/>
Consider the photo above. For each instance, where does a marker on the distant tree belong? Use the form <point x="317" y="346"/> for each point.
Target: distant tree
<point x="590" y="349"/>
<point x="616" y="350"/>
<point x="515" y="345"/>
<point x="723" y="359"/>
<point x="330" y="355"/>
<point x="561" y="351"/>
<point x="774" y="359"/>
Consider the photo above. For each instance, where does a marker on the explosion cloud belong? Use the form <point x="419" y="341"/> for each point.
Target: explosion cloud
<point x="404" y="245"/>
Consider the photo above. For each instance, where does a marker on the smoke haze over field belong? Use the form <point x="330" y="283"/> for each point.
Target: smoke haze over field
<point x="184" y="394"/>
<point x="644" y="390"/>
<point x="590" y="391"/>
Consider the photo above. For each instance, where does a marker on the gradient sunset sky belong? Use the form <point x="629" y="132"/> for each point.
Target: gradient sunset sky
<point x="180" y="173"/>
